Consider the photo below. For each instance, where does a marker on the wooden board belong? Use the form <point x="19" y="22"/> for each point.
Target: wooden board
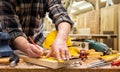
<point x="109" y="21"/>
<point x="43" y="62"/>
<point x="89" y="20"/>
<point x="119" y="27"/>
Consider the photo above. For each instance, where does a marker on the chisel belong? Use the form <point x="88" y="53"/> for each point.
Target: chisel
<point x="104" y="60"/>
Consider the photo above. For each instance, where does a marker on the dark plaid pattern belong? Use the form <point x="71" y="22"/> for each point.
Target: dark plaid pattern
<point x="25" y="17"/>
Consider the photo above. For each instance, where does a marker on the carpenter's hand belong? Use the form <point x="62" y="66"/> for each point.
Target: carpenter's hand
<point x="60" y="50"/>
<point x="33" y="51"/>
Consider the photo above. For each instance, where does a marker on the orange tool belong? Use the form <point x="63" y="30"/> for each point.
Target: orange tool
<point x="116" y="63"/>
<point x="109" y="58"/>
<point x="104" y="60"/>
<point x="83" y="54"/>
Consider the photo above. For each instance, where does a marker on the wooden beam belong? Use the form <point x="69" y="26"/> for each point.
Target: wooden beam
<point x="119" y="27"/>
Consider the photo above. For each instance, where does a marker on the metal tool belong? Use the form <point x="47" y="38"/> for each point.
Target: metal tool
<point x="98" y="64"/>
<point x="5" y="49"/>
<point x="104" y="60"/>
<point x="14" y="60"/>
<point x="99" y="47"/>
<point x="73" y="62"/>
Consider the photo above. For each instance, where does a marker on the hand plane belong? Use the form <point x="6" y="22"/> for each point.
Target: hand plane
<point x="5" y="49"/>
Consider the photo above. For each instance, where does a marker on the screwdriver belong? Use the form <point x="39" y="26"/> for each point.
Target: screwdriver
<point x="104" y="60"/>
<point x="110" y="57"/>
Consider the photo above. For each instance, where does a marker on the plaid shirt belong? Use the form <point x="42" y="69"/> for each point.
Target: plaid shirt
<point x="25" y="17"/>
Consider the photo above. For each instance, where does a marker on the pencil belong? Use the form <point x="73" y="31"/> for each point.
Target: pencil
<point x="31" y="40"/>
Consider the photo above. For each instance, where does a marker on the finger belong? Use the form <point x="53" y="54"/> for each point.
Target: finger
<point x="32" y="54"/>
<point x="63" y="54"/>
<point x="49" y="53"/>
<point x="57" y="52"/>
<point x="37" y="51"/>
<point x="68" y="56"/>
<point x="41" y="49"/>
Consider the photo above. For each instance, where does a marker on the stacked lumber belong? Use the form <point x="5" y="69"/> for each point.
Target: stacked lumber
<point x="89" y="20"/>
<point x="109" y="22"/>
<point x="109" y="19"/>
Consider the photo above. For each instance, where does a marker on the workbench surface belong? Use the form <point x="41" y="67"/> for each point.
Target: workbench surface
<point x="27" y="67"/>
<point x="23" y="66"/>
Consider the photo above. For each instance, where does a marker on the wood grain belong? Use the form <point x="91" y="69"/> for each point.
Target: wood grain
<point x="109" y="21"/>
<point x="119" y="27"/>
<point x="89" y="20"/>
<point x="43" y="62"/>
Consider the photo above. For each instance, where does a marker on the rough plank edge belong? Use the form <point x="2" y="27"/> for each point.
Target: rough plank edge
<point x="42" y="62"/>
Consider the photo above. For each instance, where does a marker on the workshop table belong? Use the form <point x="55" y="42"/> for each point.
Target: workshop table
<point x="27" y="67"/>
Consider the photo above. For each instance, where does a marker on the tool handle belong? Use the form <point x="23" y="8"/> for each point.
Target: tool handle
<point x="116" y="63"/>
<point x="110" y="57"/>
<point x="4" y="60"/>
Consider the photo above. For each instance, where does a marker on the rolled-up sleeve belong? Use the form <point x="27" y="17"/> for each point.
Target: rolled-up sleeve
<point x="58" y="13"/>
<point x="10" y="21"/>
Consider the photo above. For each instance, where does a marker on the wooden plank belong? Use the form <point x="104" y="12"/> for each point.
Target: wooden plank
<point x="109" y="41"/>
<point x="119" y="27"/>
<point x="109" y="21"/>
<point x="43" y="62"/>
<point x="89" y="20"/>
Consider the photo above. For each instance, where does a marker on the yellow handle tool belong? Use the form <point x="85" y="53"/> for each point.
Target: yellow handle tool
<point x="104" y="60"/>
<point x="110" y="57"/>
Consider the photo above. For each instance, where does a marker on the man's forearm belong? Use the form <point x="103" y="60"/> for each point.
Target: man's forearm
<point x="63" y="31"/>
<point x="21" y="43"/>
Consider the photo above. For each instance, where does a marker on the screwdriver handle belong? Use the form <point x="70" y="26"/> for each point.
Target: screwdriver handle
<point x="110" y="57"/>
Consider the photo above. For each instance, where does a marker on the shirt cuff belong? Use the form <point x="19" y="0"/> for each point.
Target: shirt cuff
<point x="14" y="35"/>
<point x="63" y="19"/>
